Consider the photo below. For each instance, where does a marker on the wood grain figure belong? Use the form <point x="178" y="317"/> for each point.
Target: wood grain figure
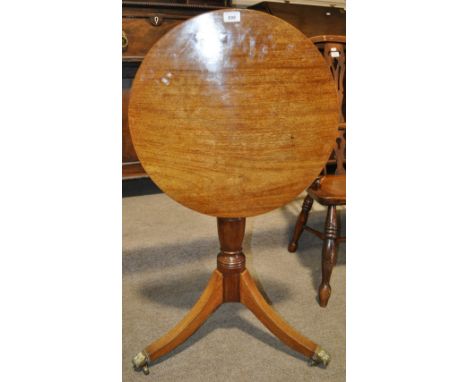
<point x="233" y="119"/>
<point x="232" y="113"/>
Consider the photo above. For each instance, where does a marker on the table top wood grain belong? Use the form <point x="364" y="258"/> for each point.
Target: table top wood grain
<point x="233" y="114"/>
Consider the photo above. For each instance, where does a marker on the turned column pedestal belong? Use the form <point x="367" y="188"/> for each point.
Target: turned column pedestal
<point x="231" y="282"/>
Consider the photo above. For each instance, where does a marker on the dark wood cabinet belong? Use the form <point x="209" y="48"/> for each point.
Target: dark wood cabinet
<point x="311" y="20"/>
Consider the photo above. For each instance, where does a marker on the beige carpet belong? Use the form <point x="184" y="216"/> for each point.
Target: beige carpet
<point x="169" y="253"/>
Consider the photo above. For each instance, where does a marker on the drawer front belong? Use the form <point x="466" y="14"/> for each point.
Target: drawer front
<point x="143" y="32"/>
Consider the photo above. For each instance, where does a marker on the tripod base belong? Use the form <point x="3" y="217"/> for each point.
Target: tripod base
<point x="231" y="282"/>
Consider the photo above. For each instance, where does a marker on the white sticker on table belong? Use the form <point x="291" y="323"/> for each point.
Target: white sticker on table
<point x="231" y="17"/>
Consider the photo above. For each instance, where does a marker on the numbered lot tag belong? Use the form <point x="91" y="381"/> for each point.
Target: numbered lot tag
<point x="231" y="17"/>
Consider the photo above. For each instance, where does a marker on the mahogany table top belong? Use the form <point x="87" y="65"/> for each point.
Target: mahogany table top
<point x="233" y="113"/>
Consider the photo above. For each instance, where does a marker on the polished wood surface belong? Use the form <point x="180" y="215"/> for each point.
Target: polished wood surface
<point x="145" y="22"/>
<point x="329" y="190"/>
<point x="233" y="119"/>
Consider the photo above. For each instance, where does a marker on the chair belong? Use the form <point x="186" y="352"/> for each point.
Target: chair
<point x="329" y="189"/>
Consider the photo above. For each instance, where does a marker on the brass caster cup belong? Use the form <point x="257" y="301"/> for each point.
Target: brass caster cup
<point x="140" y="361"/>
<point x="320" y="358"/>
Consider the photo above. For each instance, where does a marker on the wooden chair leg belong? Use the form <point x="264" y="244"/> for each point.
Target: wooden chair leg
<point x="328" y="255"/>
<point x="301" y="222"/>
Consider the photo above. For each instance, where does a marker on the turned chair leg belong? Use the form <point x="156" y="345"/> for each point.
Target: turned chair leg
<point x="301" y="222"/>
<point x="328" y="255"/>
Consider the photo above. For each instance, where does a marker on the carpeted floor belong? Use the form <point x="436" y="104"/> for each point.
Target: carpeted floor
<point x="169" y="253"/>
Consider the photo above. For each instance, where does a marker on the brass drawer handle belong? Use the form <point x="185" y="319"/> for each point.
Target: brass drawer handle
<point x="124" y="41"/>
<point x="156" y="20"/>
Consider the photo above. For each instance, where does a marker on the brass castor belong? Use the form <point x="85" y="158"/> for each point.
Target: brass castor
<point x="320" y="358"/>
<point x="140" y="361"/>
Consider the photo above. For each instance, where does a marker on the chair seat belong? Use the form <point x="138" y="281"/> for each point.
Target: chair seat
<point x="329" y="190"/>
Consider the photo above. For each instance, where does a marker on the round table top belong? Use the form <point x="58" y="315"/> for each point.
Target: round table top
<point x="233" y="113"/>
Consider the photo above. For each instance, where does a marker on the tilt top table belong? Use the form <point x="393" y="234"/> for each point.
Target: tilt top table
<point x="233" y="114"/>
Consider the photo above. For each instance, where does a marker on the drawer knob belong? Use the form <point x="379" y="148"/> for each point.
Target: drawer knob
<point x="156" y="20"/>
<point x="124" y="41"/>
